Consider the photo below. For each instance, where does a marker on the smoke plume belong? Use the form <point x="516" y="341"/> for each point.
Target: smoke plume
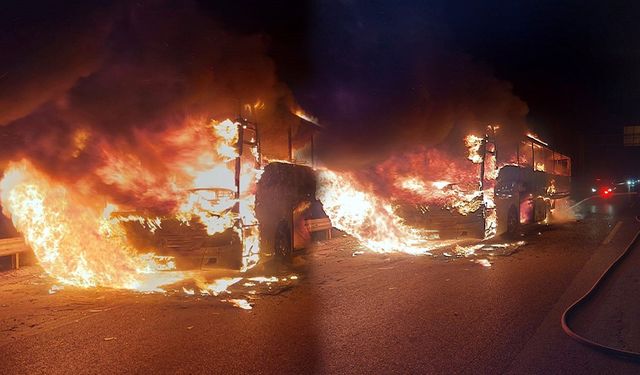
<point x="389" y="79"/>
<point x="97" y="93"/>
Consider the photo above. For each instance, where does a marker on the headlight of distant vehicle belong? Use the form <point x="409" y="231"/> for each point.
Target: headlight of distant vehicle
<point x="606" y="192"/>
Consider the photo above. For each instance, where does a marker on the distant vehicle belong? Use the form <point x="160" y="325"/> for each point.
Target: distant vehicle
<point x="603" y="187"/>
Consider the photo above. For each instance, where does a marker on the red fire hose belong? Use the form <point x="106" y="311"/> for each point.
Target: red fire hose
<point x="588" y="296"/>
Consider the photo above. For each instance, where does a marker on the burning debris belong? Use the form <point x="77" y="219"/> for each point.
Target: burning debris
<point x="241" y="303"/>
<point x="466" y="251"/>
<point x="485" y="248"/>
<point x="219" y="286"/>
<point x="483" y="262"/>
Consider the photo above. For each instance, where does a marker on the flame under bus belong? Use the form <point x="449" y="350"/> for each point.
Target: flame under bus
<point x="187" y="239"/>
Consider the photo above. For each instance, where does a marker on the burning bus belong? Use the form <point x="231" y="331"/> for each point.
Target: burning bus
<point x="243" y="210"/>
<point x="528" y="190"/>
<point x="511" y="185"/>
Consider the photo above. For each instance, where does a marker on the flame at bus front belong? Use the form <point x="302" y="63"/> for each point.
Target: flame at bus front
<point x="81" y="242"/>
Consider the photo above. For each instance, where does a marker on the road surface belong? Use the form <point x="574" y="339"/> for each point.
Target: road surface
<point x="497" y="311"/>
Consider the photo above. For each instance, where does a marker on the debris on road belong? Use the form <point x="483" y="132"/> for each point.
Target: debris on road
<point x="220" y="285"/>
<point x="241" y="303"/>
<point x="483" y="262"/>
<point x="109" y="338"/>
<point x="467" y="251"/>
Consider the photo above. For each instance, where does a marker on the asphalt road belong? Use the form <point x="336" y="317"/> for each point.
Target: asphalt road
<point x="371" y="313"/>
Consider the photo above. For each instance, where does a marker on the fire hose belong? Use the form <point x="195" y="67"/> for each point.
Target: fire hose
<point x="588" y="296"/>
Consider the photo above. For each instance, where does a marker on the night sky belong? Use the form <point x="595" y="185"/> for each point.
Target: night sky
<point x="368" y="69"/>
<point x="574" y="63"/>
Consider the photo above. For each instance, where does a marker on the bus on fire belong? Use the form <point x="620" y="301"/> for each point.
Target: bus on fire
<point x="528" y="190"/>
<point x="519" y="183"/>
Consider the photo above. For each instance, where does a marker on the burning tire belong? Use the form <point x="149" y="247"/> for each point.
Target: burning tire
<point x="282" y="242"/>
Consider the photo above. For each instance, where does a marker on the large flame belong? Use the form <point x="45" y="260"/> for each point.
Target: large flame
<point x="72" y="240"/>
<point x="368" y="217"/>
<point x="366" y="210"/>
<point x="80" y="243"/>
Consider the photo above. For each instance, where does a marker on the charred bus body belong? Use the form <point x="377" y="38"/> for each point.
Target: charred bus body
<point x="516" y="186"/>
<point x="286" y="215"/>
<point x="528" y="190"/>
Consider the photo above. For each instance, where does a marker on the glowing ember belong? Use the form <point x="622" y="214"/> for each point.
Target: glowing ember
<point x="483" y="262"/>
<point x="262" y="279"/>
<point x="467" y="251"/>
<point x="241" y="303"/>
<point x="220" y="285"/>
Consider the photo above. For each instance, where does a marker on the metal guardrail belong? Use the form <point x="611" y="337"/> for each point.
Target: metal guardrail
<point x="319" y="225"/>
<point x="13" y="247"/>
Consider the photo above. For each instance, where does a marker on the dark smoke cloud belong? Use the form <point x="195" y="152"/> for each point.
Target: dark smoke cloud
<point x="90" y="78"/>
<point x="388" y="78"/>
<point x="81" y="81"/>
<point x="44" y="54"/>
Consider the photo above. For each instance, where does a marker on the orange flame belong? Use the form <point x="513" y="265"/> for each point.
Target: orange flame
<point x="73" y="242"/>
<point x="361" y="211"/>
<point x="84" y="245"/>
<point x="369" y="218"/>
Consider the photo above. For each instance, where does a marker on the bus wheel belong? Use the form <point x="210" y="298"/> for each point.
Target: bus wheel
<point x="282" y="242"/>
<point x="513" y="222"/>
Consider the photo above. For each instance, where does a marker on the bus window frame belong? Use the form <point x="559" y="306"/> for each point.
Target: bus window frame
<point x="549" y="169"/>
